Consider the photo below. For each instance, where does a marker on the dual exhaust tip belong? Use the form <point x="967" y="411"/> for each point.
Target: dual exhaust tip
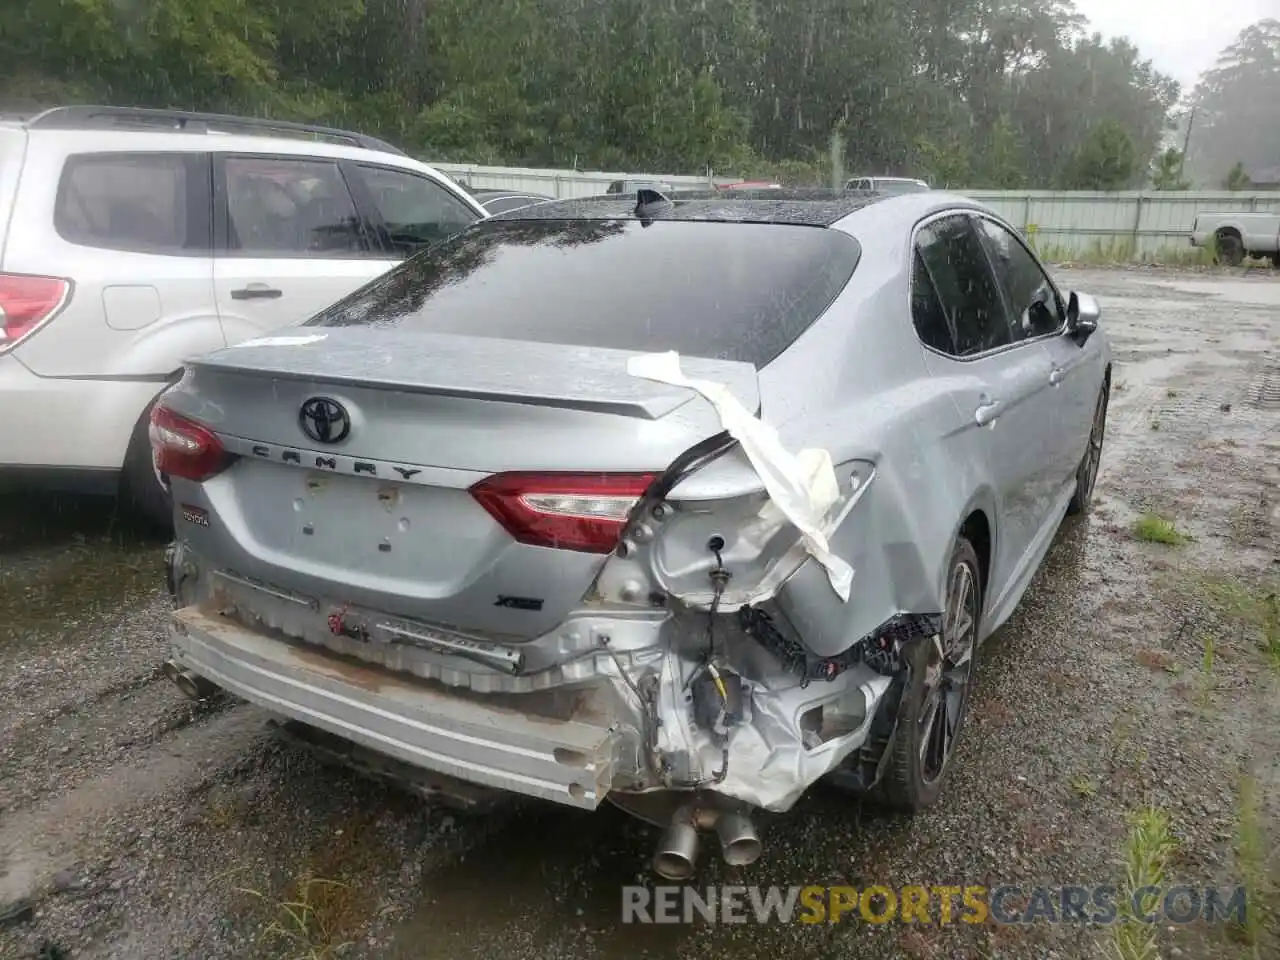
<point x="192" y="685"/>
<point x="677" y="854"/>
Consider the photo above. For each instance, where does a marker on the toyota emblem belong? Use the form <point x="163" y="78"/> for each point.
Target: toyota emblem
<point x="324" y="420"/>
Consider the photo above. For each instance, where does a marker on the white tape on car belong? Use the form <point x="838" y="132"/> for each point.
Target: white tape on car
<point x="803" y="485"/>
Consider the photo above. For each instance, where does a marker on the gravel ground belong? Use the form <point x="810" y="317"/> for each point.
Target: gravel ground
<point x="135" y="825"/>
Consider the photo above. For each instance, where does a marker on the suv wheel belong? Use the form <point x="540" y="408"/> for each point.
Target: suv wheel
<point x="936" y="699"/>
<point x="140" y="491"/>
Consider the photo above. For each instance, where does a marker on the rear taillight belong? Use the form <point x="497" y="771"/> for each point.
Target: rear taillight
<point x="570" y="511"/>
<point x="185" y="448"/>
<point x="26" y="304"/>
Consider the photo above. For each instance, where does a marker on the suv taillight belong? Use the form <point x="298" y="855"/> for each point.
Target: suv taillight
<point x="26" y="304"/>
<point x="185" y="448"/>
<point x="569" y="511"/>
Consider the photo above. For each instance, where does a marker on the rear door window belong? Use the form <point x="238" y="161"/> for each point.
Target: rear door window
<point x="415" y="210"/>
<point x="736" y="291"/>
<point x="289" y="207"/>
<point x="954" y="257"/>
<point x="142" y="202"/>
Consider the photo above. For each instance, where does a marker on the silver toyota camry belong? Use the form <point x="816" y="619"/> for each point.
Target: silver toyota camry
<point x="684" y="503"/>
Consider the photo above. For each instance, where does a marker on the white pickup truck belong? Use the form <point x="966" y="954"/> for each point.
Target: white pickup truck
<point x="1238" y="235"/>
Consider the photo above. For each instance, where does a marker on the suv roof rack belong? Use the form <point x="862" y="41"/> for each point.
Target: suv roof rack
<point x="186" y="121"/>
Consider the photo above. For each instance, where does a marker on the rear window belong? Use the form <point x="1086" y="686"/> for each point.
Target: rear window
<point x="146" y="202"/>
<point x="734" y="291"/>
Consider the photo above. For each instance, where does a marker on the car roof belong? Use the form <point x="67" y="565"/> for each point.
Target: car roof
<point x="857" y="214"/>
<point x="487" y="194"/>
<point x="814" y="208"/>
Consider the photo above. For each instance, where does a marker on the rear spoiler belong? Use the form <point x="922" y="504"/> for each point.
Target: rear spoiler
<point x="478" y="368"/>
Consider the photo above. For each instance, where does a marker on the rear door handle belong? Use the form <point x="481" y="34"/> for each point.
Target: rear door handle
<point x="988" y="412"/>
<point x="1056" y="376"/>
<point x="256" y="291"/>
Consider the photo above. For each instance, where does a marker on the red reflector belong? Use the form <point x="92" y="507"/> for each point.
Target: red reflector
<point x="570" y="511"/>
<point x="26" y="303"/>
<point x="185" y="448"/>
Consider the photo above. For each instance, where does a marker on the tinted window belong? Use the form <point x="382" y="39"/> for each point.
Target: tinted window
<point x="279" y="206"/>
<point x="926" y="310"/>
<point x="133" y="202"/>
<point x="958" y="267"/>
<point x="720" y="290"/>
<point x="415" y="210"/>
<point x="1031" y="296"/>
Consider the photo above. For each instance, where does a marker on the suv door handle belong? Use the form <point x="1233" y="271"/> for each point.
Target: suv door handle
<point x="256" y="291"/>
<point x="988" y="412"/>
<point x="1056" y="376"/>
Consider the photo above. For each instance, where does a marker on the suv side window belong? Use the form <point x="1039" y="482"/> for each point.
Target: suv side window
<point x="962" y="277"/>
<point x="141" y="202"/>
<point x="290" y="207"/>
<point x="415" y="210"/>
<point x="1032" y="300"/>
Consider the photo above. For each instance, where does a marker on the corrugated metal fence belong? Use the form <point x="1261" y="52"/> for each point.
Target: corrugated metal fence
<point x="1122" y="226"/>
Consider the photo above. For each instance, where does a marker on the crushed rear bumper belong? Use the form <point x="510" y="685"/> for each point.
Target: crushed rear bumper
<point x="569" y="761"/>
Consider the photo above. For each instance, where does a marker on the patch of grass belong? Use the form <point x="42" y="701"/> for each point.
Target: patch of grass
<point x="1256" y="607"/>
<point x="1171" y="393"/>
<point x="310" y="925"/>
<point x="1144" y="859"/>
<point x="1086" y="788"/>
<point x="1251" y="858"/>
<point x="1153" y="528"/>
<point x="1155" y="425"/>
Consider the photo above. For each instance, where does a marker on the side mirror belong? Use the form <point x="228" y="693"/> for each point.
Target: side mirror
<point x="1083" y="314"/>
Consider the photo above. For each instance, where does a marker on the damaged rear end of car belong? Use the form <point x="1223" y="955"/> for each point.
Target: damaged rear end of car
<point x="502" y="557"/>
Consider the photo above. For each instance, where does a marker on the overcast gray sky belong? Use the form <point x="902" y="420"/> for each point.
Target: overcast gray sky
<point x="1181" y="37"/>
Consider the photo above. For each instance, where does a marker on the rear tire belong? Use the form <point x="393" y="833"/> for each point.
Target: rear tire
<point x="1230" y="249"/>
<point x="1087" y="472"/>
<point x="141" y="494"/>
<point x="933" y="707"/>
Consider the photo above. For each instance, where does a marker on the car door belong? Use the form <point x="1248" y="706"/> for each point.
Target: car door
<point x="408" y="210"/>
<point x="289" y="241"/>
<point x="1000" y="384"/>
<point x="1038" y="312"/>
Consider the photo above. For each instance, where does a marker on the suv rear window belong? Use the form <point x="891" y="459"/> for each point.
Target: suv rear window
<point x="736" y="291"/>
<point x="144" y="202"/>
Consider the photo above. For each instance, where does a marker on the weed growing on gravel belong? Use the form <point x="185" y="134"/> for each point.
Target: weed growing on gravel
<point x="1144" y="858"/>
<point x="1153" y="528"/>
<point x="1086" y="788"/>
<point x="311" y="925"/>
<point x="1251" y="857"/>
<point x="1206" y="670"/>
<point x="1256" y="608"/>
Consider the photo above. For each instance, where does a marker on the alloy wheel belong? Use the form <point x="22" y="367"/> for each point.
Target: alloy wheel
<point x="948" y="670"/>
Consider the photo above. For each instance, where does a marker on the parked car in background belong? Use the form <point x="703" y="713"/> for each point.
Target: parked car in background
<point x="502" y="201"/>
<point x="631" y="187"/>
<point x="1237" y="235"/>
<point x="886" y="185"/>
<point x="501" y="541"/>
<point x="131" y="240"/>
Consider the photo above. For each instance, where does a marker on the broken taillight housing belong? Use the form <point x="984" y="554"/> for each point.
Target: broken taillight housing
<point x="568" y="511"/>
<point x="26" y="304"/>
<point x="185" y="448"/>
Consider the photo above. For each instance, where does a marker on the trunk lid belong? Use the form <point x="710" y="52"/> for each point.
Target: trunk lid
<point x="383" y="518"/>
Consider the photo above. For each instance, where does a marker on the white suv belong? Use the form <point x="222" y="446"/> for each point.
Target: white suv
<point x="131" y="240"/>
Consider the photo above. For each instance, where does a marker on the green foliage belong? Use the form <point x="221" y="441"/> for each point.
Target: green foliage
<point x="1237" y="104"/>
<point x="1166" y="172"/>
<point x="1105" y="159"/>
<point x="967" y="93"/>
<point x="1236" y="178"/>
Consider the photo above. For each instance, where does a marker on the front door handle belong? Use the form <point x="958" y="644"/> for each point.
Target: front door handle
<point x="257" y="291"/>
<point x="988" y="412"/>
<point x="1056" y="376"/>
